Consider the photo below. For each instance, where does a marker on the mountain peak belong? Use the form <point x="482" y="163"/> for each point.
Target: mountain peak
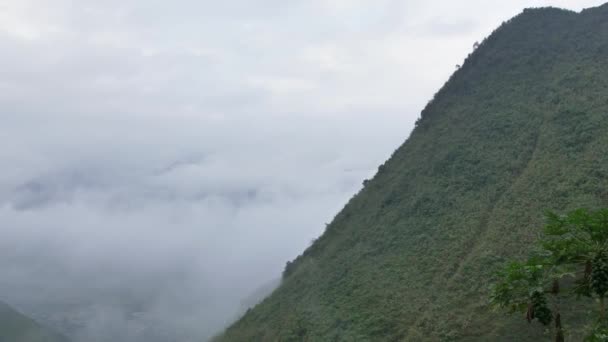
<point x="519" y="129"/>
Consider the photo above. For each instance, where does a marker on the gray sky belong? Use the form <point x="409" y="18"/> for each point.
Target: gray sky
<point x="185" y="150"/>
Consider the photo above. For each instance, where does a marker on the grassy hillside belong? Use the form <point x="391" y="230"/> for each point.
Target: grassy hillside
<point x="522" y="127"/>
<point x="15" y="327"/>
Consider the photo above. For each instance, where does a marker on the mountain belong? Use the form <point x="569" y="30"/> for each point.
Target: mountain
<point x="259" y="294"/>
<point x="520" y="128"/>
<point x="15" y="327"/>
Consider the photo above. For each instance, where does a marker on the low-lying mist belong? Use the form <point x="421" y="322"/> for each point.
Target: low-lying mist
<point x="161" y="161"/>
<point x="159" y="228"/>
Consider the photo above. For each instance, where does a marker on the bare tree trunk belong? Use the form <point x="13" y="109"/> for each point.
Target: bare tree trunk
<point x="602" y="309"/>
<point x="559" y="333"/>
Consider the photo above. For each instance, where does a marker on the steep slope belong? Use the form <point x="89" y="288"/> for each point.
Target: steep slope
<point x="521" y="128"/>
<point x="15" y="327"/>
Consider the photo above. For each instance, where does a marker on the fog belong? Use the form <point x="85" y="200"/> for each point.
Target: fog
<point x="161" y="161"/>
<point x="177" y="220"/>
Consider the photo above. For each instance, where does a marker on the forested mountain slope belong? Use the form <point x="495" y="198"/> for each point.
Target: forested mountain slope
<point x="15" y="327"/>
<point x="520" y="128"/>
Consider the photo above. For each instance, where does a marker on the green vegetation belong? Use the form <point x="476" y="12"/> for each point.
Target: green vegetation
<point x="520" y="128"/>
<point x="573" y="252"/>
<point x="15" y="327"/>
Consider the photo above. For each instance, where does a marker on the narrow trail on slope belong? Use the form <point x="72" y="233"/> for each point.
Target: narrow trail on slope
<point x="483" y="230"/>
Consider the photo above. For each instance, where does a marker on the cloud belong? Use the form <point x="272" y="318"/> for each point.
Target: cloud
<point x="175" y="222"/>
<point x="162" y="161"/>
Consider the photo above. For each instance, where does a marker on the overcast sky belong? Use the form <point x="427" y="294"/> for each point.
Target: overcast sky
<point x="182" y="151"/>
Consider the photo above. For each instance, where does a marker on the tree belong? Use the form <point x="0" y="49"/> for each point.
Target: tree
<point x="524" y="287"/>
<point x="289" y="267"/>
<point x="579" y="241"/>
<point x="574" y="245"/>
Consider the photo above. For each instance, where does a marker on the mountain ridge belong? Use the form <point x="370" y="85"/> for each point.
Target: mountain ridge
<point x="519" y="129"/>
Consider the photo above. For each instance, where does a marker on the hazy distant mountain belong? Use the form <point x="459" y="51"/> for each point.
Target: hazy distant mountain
<point x="259" y="294"/>
<point x="520" y="128"/>
<point x="15" y="327"/>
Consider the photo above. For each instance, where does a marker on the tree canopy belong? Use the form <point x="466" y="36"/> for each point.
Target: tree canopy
<point x="570" y="260"/>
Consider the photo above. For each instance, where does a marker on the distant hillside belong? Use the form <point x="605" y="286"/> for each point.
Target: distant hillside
<point x="15" y="327"/>
<point x="259" y="294"/>
<point x="520" y="128"/>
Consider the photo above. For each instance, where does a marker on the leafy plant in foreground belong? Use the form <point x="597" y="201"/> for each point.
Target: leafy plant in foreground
<point x="574" y="245"/>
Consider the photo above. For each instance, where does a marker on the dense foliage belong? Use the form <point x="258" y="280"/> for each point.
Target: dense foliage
<point x="573" y="246"/>
<point x="520" y="128"/>
<point x="14" y="327"/>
